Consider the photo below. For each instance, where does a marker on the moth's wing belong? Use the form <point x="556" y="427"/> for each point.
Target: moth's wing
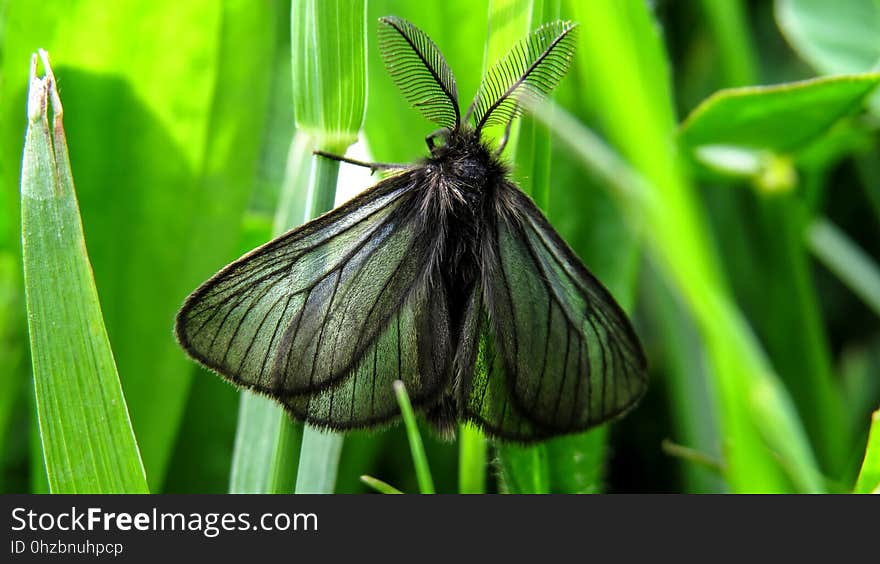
<point x="414" y="347"/>
<point x="296" y="315"/>
<point x="569" y="356"/>
<point x="486" y="397"/>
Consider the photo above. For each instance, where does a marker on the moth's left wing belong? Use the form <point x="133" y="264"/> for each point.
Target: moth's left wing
<point x="299" y="315"/>
<point x="569" y="356"/>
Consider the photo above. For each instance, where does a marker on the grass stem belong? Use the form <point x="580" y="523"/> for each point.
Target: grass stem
<point x="417" y="449"/>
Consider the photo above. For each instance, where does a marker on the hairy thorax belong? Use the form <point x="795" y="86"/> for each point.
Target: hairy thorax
<point x="465" y="171"/>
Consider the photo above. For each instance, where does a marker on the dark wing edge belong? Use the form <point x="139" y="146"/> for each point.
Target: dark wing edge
<point x="562" y="375"/>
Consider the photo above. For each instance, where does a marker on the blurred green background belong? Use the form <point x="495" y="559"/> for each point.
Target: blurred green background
<point x="749" y="268"/>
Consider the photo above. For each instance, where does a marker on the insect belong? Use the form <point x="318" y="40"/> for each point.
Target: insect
<point x="444" y="275"/>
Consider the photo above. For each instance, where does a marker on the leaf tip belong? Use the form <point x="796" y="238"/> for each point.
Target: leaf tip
<point x="42" y="88"/>
<point x="36" y="104"/>
<point x="57" y="109"/>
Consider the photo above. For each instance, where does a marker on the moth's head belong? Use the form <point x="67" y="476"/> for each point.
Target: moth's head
<point x="531" y="69"/>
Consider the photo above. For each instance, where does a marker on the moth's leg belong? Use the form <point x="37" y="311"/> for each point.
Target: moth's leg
<point x="372" y="166"/>
<point x="504" y="139"/>
<point x="442" y="132"/>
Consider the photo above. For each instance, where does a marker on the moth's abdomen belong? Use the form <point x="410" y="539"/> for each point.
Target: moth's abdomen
<point x="468" y="176"/>
<point x="460" y="267"/>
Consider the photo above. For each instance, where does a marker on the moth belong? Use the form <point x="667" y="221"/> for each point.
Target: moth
<point x="444" y="275"/>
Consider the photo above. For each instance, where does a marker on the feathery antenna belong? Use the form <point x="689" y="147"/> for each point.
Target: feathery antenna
<point x="418" y="68"/>
<point x="533" y="67"/>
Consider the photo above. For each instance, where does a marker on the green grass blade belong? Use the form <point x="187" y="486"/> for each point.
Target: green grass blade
<point x="329" y="102"/>
<point x="266" y="448"/>
<point x="637" y="113"/>
<point x="318" y="461"/>
<point x="524" y="469"/>
<point x="417" y="449"/>
<point x="869" y="476"/>
<point x="845" y="259"/>
<point x="267" y="442"/>
<point x="327" y="62"/>
<point x="472" y="458"/>
<point x="695" y="421"/>
<point x="577" y="462"/>
<point x="291" y="209"/>
<point x="164" y="148"/>
<point x="87" y="438"/>
<point x="39" y="481"/>
<point x="12" y="350"/>
<point x="759" y="410"/>
<point x="379" y="485"/>
<point x="780" y="297"/>
<point x="729" y="24"/>
<point x="691" y="455"/>
<point x="329" y="70"/>
<point x="288" y="443"/>
<point x="572" y="464"/>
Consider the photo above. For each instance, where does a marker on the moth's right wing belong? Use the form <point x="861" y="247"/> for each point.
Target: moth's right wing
<point x="323" y="303"/>
<point x="552" y="352"/>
